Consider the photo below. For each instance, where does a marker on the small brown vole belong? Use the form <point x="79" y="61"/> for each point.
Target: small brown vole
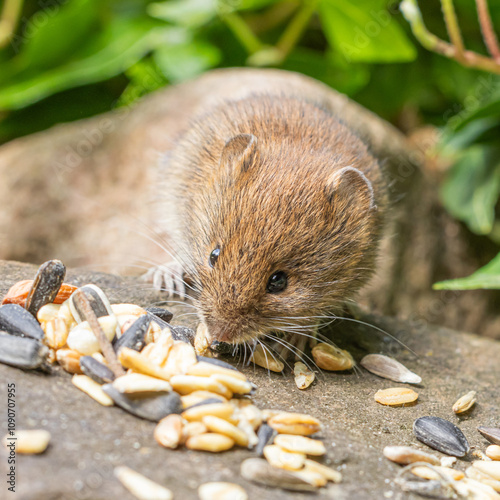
<point x="275" y="211"/>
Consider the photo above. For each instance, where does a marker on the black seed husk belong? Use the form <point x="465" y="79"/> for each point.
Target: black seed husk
<point x="261" y="471"/>
<point x="161" y="313"/>
<point x="266" y="435"/>
<point x="183" y="334"/>
<point x="441" y="435"/>
<point x="47" y="282"/>
<point x="98" y="301"/>
<point x="134" y="336"/>
<point x="208" y="401"/>
<point x="215" y="361"/>
<point x="96" y="370"/>
<point x="492" y="434"/>
<point x="22" y="352"/>
<point x="15" y="320"/>
<point x="152" y="408"/>
<point x="221" y="347"/>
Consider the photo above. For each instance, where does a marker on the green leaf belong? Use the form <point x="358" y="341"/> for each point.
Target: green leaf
<point x="181" y="62"/>
<point x="52" y="35"/>
<point x="486" y="277"/>
<point x="188" y="13"/>
<point x="126" y="43"/>
<point x="364" y="31"/>
<point x="471" y="190"/>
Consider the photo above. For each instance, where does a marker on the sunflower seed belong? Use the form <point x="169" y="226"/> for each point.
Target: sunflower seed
<point x="197" y="412"/>
<point x="22" y="352"/>
<point x="389" y="368"/>
<point x="137" y="384"/>
<point x="99" y="304"/>
<point x="92" y="389"/>
<point x="15" y="320"/>
<point x="182" y="333"/>
<point x="69" y="360"/>
<point x="492" y="434"/>
<point x="294" y="423"/>
<point x="221" y="426"/>
<point x="465" y="403"/>
<point x="300" y="444"/>
<point x="168" y="432"/>
<point x="331" y="358"/>
<point x="283" y="459"/>
<point x="266" y="360"/>
<point x="210" y="442"/>
<point x="29" y="442"/>
<point x="396" y="396"/>
<point x="148" y="407"/>
<point x="161" y="313"/>
<point x="48" y="280"/>
<point x="134" y="336"/>
<point x="441" y="435"/>
<point x="221" y="491"/>
<point x="493" y="452"/>
<point x="303" y="376"/>
<point x="405" y="455"/>
<point x="96" y="370"/>
<point x="266" y="435"/>
<point x="140" y="486"/>
<point x="260" y="471"/>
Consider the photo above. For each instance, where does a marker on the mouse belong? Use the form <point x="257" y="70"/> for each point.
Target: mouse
<point x="275" y="210"/>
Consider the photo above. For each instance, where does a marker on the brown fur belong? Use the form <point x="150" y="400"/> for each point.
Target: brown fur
<point x="277" y="208"/>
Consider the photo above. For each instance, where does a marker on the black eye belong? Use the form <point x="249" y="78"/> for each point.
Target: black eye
<point x="277" y="282"/>
<point x="213" y="257"/>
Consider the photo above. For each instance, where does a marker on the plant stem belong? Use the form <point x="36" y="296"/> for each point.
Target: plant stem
<point x="242" y="32"/>
<point x="8" y="21"/>
<point x="453" y="28"/>
<point x="296" y="28"/>
<point x="471" y="59"/>
<point x="489" y="36"/>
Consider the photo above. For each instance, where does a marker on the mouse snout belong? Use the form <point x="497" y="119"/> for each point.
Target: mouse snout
<point x="222" y="331"/>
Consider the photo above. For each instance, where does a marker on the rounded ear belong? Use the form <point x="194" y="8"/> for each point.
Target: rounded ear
<point x="239" y="153"/>
<point x="352" y="186"/>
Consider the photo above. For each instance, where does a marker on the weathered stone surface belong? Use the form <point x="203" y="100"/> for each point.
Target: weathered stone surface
<point x="88" y="440"/>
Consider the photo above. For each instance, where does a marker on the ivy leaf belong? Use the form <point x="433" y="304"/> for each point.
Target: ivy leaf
<point x="364" y="31"/>
<point x="486" y="277"/>
<point x="471" y="190"/>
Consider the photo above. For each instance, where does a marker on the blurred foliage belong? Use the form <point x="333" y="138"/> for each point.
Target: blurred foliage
<point x="70" y="59"/>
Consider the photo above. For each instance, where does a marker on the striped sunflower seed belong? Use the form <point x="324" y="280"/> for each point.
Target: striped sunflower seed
<point x="389" y="368"/>
<point x="441" y="435"/>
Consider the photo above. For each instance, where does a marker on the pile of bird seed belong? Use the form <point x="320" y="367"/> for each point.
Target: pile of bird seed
<point x="131" y="357"/>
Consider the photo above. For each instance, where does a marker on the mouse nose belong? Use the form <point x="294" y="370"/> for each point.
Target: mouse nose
<point x="222" y="332"/>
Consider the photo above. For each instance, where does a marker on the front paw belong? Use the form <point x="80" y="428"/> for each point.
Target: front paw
<point x="168" y="278"/>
